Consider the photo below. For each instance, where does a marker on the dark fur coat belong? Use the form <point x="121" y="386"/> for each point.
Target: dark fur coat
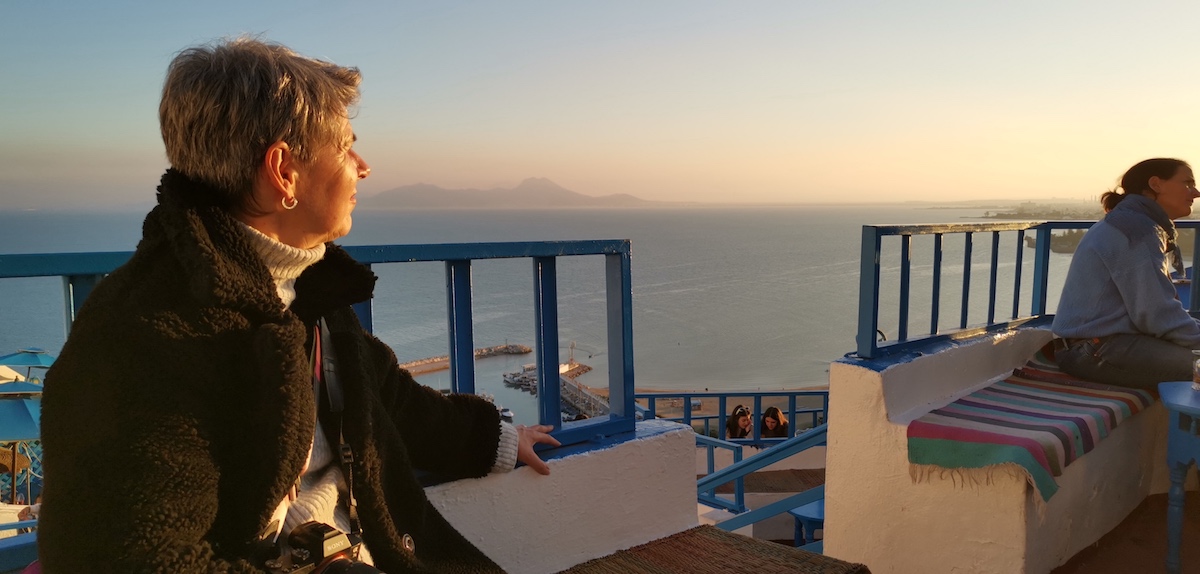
<point x="181" y="410"/>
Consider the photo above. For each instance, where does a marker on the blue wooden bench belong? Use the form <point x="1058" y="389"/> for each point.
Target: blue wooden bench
<point x="17" y="552"/>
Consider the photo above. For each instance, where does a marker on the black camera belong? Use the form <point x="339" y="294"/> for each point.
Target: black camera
<point x="317" y="548"/>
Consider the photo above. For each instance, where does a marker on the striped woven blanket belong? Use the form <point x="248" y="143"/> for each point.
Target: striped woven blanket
<point x="1039" y="418"/>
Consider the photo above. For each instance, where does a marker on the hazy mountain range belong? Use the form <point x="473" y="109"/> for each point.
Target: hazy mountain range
<point x="535" y="192"/>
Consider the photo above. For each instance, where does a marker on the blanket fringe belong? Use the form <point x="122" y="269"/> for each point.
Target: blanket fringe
<point x="978" y="477"/>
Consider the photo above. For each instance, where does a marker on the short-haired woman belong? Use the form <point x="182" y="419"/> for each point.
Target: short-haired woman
<point x="184" y="425"/>
<point x="1119" y="318"/>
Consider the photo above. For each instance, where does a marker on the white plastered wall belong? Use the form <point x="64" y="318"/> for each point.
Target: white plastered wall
<point x="591" y="505"/>
<point x="875" y="513"/>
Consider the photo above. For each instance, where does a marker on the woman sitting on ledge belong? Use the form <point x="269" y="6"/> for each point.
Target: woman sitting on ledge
<point x="1119" y="317"/>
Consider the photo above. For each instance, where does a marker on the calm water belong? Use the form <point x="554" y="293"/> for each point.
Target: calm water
<point x="724" y="298"/>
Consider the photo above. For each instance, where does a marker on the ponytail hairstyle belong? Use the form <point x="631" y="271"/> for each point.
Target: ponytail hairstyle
<point x="1137" y="179"/>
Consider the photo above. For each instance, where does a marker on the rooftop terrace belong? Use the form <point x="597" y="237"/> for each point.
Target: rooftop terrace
<point x="877" y="513"/>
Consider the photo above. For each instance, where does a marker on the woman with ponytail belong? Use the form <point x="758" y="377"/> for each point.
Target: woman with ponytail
<point x="1118" y="317"/>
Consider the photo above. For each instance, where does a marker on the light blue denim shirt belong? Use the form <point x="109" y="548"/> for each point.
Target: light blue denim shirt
<point x="1119" y="280"/>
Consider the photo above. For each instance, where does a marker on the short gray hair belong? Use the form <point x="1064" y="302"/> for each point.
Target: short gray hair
<point x="223" y="104"/>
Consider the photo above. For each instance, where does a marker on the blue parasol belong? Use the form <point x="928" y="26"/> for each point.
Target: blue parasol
<point x="30" y="358"/>
<point x="19" y="388"/>
<point x="20" y="419"/>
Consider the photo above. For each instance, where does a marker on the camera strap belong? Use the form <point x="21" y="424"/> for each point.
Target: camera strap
<point x="328" y="378"/>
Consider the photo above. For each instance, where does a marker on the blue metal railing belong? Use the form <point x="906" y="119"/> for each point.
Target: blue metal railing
<point x="709" y="496"/>
<point x="80" y="273"/>
<point x="871" y="270"/>
<point x="814" y="413"/>
<point x="813" y="437"/>
<point x="779" y="448"/>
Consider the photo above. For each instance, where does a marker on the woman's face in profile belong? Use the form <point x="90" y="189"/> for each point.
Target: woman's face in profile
<point x="744" y="422"/>
<point x="1175" y="195"/>
<point x="327" y="188"/>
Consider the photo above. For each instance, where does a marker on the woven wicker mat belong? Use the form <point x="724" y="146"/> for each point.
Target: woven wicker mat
<point x="709" y="549"/>
<point x="791" y="480"/>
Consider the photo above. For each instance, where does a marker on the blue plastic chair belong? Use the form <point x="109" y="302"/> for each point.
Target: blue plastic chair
<point x="1183" y="449"/>
<point x="809" y="518"/>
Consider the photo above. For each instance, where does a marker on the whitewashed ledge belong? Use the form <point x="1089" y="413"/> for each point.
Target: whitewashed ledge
<point x="877" y="515"/>
<point x="9" y="513"/>
<point x="611" y="497"/>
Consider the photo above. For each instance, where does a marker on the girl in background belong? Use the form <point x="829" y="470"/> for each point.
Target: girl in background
<point x="738" y="425"/>
<point x="774" y="424"/>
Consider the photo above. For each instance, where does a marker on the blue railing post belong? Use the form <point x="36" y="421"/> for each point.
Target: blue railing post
<point x="460" y="326"/>
<point x="722" y="408"/>
<point x="868" y="292"/>
<point x="1194" y="300"/>
<point x="1016" y="305"/>
<point x="76" y="289"/>
<point x="992" y="277"/>
<point x="966" y="282"/>
<point x="755" y="420"/>
<point x="792" y="414"/>
<point x="1041" y="271"/>
<point x="905" y="279"/>
<point x="619" y="300"/>
<point x="365" y="314"/>
<point x="937" y="283"/>
<point x="545" y="289"/>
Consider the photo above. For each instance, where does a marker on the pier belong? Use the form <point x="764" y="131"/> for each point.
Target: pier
<point x="577" y="399"/>
<point x="434" y="364"/>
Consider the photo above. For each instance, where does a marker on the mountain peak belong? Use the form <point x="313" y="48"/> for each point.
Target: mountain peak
<point x="531" y="193"/>
<point x="540" y="181"/>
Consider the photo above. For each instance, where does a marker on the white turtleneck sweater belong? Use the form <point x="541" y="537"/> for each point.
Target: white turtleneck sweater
<point x="322" y="480"/>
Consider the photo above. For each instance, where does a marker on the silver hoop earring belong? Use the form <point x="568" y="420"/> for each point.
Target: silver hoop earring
<point x="291" y="205"/>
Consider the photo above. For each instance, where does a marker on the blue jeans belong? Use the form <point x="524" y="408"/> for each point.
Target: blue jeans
<point x="1138" y="361"/>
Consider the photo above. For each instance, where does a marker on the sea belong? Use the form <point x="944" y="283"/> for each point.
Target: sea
<point x="724" y="297"/>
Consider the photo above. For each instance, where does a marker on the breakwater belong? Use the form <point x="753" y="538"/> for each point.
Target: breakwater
<point x="431" y="364"/>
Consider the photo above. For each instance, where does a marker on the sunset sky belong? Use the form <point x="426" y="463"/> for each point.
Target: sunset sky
<point x="748" y="101"/>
